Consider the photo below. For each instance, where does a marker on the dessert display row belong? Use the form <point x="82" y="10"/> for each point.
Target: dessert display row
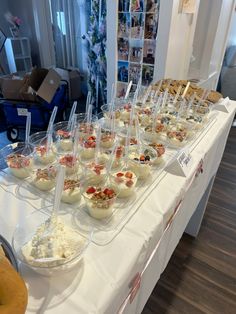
<point x="104" y="157"/>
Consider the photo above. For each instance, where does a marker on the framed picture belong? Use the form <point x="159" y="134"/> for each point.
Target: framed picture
<point x="152" y="6"/>
<point x="149" y="49"/>
<point x="123" y="49"/>
<point x="137" y="5"/>
<point x="123" y="25"/>
<point x="147" y="74"/>
<point x="134" y="72"/>
<point x="121" y="90"/>
<point x="3" y="38"/>
<point x="124" y="5"/>
<point x="187" y="6"/>
<point x="137" y="25"/>
<point x="151" y="25"/>
<point x="123" y="71"/>
<point x="136" y="50"/>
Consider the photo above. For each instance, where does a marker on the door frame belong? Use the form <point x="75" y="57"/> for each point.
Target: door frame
<point x="43" y="28"/>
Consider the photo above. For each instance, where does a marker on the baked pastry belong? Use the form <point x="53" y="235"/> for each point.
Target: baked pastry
<point x="173" y="86"/>
<point x="13" y="292"/>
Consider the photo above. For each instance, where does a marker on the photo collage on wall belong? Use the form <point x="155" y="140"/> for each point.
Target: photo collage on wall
<point x="136" y="42"/>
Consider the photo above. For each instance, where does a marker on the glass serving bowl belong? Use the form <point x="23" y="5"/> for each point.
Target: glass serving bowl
<point x="100" y="199"/>
<point x="49" y="254"/>
<point x="17" y="157"/>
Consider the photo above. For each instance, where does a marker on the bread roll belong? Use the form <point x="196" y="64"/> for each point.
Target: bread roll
<point x="13" y="292"/>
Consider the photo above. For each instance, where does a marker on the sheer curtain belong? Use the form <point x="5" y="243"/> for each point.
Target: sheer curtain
<point x="69" y="20"/>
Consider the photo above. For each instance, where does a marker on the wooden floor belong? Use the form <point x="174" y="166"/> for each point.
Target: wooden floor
<point x="201" y="275"/>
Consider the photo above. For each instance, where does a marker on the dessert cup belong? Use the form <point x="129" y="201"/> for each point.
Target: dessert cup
<point x="18" y="158"/>
<point x="71" y="163"/>
<point x="87" y="148"/>
<point x="39" y="141"/>
<point x="107" y="138"/>
<point x="95" y="173"/>
<point x="86" y="130"/>
<point x="124" y="183"/>
<point x="179" y="134"/>
<point x="141" y="160"/>
<point x="105" y="156"/>
<point x="71" y="193"/>
<point x="100" y="200"/>
<point x="44" y="178"/>
<point x="151" y="134"/>
<point x="160" y="150"/>
<point x="107" y="114"/>
<point x="63" y="137"/>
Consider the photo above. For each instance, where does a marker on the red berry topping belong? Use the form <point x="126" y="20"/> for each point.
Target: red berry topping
<point x="129" y="183"/>
<point x="119" y="174"/>
<point x="129" y="175"/>
<point x="91" y="190"/>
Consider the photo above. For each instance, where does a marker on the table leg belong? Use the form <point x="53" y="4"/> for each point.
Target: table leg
<point x="194" y="224"/>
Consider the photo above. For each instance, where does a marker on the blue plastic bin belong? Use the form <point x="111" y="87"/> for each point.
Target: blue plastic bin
<point x="15" y="110"/>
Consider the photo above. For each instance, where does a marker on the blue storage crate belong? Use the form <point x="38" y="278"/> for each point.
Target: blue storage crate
<point x="15" y="112"/>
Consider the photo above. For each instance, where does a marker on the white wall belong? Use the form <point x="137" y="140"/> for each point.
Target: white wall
<point x="232" y="33"/>
<point x="180" y="44"/>
<point x="24" y="10"/>
<point x="4" y="25"/>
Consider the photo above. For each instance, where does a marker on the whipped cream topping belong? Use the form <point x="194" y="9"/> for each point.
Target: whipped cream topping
<point x="52" y="244"/>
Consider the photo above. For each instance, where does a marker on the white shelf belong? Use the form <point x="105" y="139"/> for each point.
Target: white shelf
<point x="18" y="54"/>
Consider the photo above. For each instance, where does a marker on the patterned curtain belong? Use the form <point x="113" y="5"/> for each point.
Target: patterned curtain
<point x="96" y="38"/>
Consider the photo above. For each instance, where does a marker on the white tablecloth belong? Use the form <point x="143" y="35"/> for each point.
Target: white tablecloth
<point x="102" y="282"/>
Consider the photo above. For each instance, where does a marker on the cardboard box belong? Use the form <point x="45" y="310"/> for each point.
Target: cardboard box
<point x="75" y="84"/>
<point x="49" y="85"/>
<point x="20" y="89"/>
<point x="73" y="79"/>
<point x="11" y="88"/>
<point x="42" y="85"/>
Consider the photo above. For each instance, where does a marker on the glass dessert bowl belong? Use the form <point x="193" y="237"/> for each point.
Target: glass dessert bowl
<point x="108" y="114"/>
<point x="45" y="155"/>
<point x="18" y="158"/>
<point x="44" y="178"/>
<point x="179" y="134"/>
<point x="49" y="246"/>
<point x="71" y="192"/>
<point x="87" y="148"/>
<point x="63" y="137"/>
<point x="71" y="163"/>
<point x="123" y="182"/>
<point x="95" y="172"/>
<point x="100" y="200"/>
<point x="140" y="160"/>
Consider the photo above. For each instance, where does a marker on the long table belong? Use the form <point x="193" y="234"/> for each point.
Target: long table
<point x="120" y="276"/>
